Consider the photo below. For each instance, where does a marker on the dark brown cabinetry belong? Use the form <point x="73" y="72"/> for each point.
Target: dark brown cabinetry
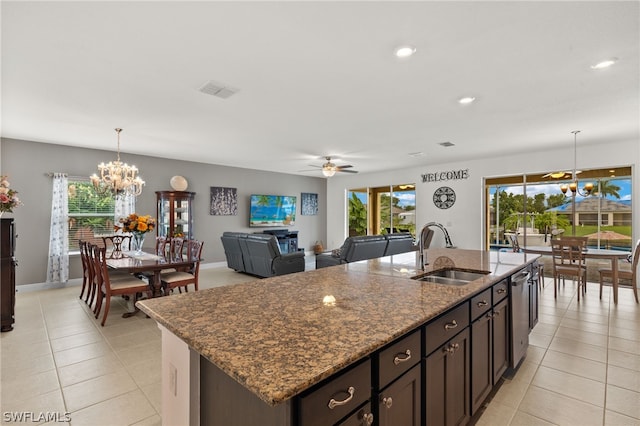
<point x="447" y="382"/>
<point x="489" y="347"/>
<point x="337" y="398"/>
<point x="8" y="274"/>
<point x="175" y="214"/>
<point x="399" y="403"/>
<point x="397" y="383"/>
<point x="446" y="368"/>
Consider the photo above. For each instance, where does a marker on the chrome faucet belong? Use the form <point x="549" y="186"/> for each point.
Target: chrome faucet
<point x="447" y="240"/>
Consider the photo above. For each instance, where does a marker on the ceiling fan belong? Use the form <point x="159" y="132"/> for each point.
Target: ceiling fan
<point x="329" y="169"/>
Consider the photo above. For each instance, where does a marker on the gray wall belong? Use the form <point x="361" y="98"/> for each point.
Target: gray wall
<point x="26" y="163"/>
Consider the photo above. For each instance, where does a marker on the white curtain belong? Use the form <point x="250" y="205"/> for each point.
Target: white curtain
<point x="58" y="264"/>
<point x="124" y="206"/>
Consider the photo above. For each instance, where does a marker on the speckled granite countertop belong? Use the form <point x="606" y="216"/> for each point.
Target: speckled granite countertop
<point x="277" y="337"/>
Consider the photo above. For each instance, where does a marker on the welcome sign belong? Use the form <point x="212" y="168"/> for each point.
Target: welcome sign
<point x="444" y="176"/>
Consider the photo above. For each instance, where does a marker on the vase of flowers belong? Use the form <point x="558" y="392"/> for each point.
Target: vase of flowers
<point x="138" y="226"/>
<point x="8" y="197"/>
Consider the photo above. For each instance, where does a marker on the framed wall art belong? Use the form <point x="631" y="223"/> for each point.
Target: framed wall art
<point x="309" y="204"/>
<point x="224" y="201"/>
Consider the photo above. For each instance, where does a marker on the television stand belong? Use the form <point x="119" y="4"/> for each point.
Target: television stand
<point x="287" y="240"/>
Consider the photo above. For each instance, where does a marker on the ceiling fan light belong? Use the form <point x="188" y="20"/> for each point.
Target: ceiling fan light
<point x="405" y="51"/>
<point x="328" y="172"/>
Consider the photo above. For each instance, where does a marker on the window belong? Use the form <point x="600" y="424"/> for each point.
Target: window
<point x="90" y="215"/>
<point x="604" y="215"/>
<point x="382" y="210"/>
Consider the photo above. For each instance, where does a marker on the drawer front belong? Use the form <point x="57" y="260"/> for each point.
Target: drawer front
<point x="480" y="304"/>
<point x="444" y="328"/>
<point x="398" y="358"/>
<point x="500" y="291"/>
<point x="337" y="398"/>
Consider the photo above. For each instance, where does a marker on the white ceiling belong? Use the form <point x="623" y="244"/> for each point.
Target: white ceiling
<point x="320" y="78"/>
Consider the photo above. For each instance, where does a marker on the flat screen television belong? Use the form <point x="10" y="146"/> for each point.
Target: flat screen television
<point x="272" y="210"/>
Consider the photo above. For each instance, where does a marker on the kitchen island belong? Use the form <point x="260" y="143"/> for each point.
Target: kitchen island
<point x="255" y="352"/>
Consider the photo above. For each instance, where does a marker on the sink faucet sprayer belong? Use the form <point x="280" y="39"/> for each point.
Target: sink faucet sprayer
<point x="447" y="240"/>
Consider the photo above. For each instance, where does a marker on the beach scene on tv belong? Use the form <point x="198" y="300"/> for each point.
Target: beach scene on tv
<point x="272" y="210"/>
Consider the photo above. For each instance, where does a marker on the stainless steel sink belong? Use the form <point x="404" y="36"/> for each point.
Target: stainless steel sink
<point x="451" y="276"/>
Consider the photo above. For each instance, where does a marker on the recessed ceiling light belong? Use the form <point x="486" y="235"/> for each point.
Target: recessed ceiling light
<point x="405" y="51"/>
<point x="604" y="64"/>
<point x="446" y="144"/>
<point x="416" y="154"/>
<point x="466" y="100"/>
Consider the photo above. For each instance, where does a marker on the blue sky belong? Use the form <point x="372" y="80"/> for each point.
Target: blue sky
<point x="406" y="197"/>
<point x="554" y="188"/>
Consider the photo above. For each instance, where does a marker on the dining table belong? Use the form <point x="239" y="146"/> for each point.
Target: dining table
<point x="152" y="264"/>
<point x="590" y="253"/>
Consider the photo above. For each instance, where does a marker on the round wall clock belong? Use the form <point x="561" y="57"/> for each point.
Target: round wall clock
<point x="444" y="197"/>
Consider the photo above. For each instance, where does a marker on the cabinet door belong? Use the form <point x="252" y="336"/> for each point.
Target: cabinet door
<point x="399" y="403"/>
<point x="481" y="360"/>
<point x="447" y="383"/>
<point x="500" y="322"/>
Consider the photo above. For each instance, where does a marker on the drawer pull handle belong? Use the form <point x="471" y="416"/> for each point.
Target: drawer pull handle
<point x="333" y="403"/>
<point x="502" y="290"/>
<point x="496" y="314"/>
<point x="367" y="419"/>
<point x="450" y="325"/>
<point x="482" y="303"/>
<point x="407" y="356"/>
<point x="387" y="401"/>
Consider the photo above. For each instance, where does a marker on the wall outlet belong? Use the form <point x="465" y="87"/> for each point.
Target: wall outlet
<point x="173" y="379"/>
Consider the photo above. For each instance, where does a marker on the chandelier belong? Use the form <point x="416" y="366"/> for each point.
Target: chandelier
<point x="573" y="186"/>
<point x="117" y="177"/>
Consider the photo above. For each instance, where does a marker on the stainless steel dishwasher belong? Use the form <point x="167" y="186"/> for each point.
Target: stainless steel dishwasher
<point x="519" y="316"/>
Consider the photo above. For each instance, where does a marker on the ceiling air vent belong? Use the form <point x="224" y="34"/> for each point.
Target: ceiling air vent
<point x="447" y="144"/>
<point x="217" y="89"/>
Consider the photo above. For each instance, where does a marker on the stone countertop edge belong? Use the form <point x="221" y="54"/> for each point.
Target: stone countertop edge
<point x="277" y="337"/>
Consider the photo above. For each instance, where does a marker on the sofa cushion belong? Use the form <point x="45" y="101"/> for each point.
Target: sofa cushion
<point x="232" y="250"/>
<point x="398" y="243"/>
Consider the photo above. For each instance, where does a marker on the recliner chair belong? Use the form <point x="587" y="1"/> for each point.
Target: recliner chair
<point x="262" y="257"/>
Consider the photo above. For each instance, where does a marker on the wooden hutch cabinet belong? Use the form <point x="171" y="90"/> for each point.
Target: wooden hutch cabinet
<point x="175" y="214"/>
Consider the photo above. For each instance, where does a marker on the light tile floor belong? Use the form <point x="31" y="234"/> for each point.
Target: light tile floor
<point x="582" y="368"/>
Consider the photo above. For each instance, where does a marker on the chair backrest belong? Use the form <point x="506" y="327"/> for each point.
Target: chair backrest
<point x="162" y="246"/>
<point x="85" y="257"/>
<point x="400" y="242"/>
<point x="515" y="245"/>
<point x="115" y="244"/>
<point x="233" y="249"/>
<point x="98" y="259"/>
<point x="176" y="246"/>
<point x="634" y="264"/>
<point x="364" y="247"/>
<point x="569" y="251"/>
<point x="194" y="252"/>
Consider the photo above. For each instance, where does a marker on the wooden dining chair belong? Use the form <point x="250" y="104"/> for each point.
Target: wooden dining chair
<point x="569" y="261"/>
<point x="623" y="274"/>
<point x="116" y="244"/>
<point x="181" y="279"/>
<point x="87" y="270"/>
<point x="120" y="286"/>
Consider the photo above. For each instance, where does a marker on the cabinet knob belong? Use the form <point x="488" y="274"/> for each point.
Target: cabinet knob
<point x="406" y="356"/>
<point x="367" y="419"/>
<point x="450" y="325"/>
<point x="334" y="403"/>
<point x="387" y="401"/>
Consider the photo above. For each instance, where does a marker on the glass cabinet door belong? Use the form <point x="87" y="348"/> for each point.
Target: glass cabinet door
<point x="175" y="218"/>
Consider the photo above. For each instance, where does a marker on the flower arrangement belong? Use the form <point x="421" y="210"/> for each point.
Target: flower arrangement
<point x="136" y="224"/>
<point x="8" y="197"/>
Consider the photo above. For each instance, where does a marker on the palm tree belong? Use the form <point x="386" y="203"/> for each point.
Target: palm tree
<point x="607" y="188"/>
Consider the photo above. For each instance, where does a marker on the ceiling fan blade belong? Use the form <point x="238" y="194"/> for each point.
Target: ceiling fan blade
<point x="346" y="166"/>
<point x="347" y="171"/>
